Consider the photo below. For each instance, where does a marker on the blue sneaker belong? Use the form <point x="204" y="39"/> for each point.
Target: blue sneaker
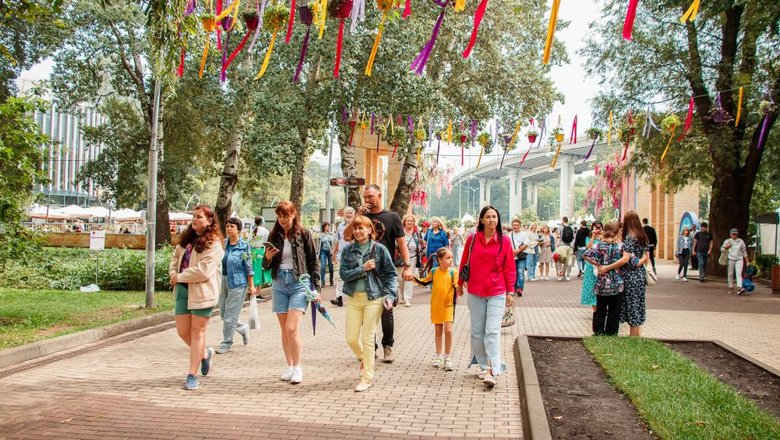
<point x="205" y="364"/>
<point x="192" y="382"/>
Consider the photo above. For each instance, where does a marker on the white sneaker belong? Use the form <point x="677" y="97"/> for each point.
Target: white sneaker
<point x="685" y="279"/>
<point x="448" y="364"/>
<point x="531" y="280"/>
<point x="560" y="278"/>
<point x="568" y="279"/>
<point x="287" y="375"/>
<point x="677" y="277"/>
<point x="408" y="303"/>
<point x="437" y="361"/>
<point x="297" y="375"/>
<point x="362" y="386"/>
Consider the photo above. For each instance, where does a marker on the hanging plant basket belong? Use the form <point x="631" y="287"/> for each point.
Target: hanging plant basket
<point x="484" y="140"/>
<point x="339" y="8"/>
<point x="385" y="5"/>
<point x="209" y="22"/>
<point x="420" y="135"/>
<point x="558" y="133"/>
<point x="532" y="135"/>
<point x="594" y="133"/>
<point x="251" y="19"/>
<point x="669" y="123"/>
<point x="275" y="17"/>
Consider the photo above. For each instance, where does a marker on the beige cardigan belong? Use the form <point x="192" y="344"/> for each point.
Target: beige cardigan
<point x="204" y="275"/>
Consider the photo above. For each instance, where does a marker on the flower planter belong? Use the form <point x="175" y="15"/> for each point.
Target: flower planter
<point x="532" y="138"/>
<point x="463" y="138"/>
<point x="559" y="137"/>
<point x="209" y="23"/>
<point x="252" y="21"/>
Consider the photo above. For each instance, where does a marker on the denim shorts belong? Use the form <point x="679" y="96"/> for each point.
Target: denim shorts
<point x="287" y="292"/>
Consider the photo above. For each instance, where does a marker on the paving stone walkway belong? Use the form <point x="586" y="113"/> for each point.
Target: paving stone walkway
<point x="134" y="389"/>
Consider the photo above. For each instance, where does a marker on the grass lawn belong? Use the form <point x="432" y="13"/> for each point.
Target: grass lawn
<point x="675" y="397"/>
<point x="32" y="315"/>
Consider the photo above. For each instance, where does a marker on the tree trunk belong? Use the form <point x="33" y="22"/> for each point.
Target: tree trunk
<point x="403" y="193"/>
<point x="229" y="178"/>
<point x="348" y="165"/>
<point x="296" y="181"/>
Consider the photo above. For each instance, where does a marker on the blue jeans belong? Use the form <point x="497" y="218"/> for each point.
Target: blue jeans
<point x="702" y="257"/>
<point x="532" y="261"/>
<point x="326" y="259"/>
<point x="520" y="280"/>
<point x="580" y="262"/>
<point x="287" y="292"/>
<point x="230" y="303"/>
<point x="486" y="313"/>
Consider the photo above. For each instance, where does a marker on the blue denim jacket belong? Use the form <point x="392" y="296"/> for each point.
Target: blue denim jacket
<point x="351" y="270"/>
<point x="237" y="264"/>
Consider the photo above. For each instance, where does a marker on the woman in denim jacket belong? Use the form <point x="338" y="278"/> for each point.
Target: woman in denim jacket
<point x="237" y="278"/>
<point x="370" y="283"/>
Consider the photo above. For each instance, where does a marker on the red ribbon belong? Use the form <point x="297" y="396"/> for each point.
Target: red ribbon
<point x="339" y="43"/>
<point x="480" y="12"/>
<point x="525" y="155"/>
<point x="219" y="32"/>
<point x="573" y="135"/>
<point x="180" y="69"/>
<point x="407" y="9"/>
<point x="235" y="52"/>
<point x="290" y="23"/>
<point x="395" y="149"/>
<point x="688" y="120"/>
<point x="628" y="26"/>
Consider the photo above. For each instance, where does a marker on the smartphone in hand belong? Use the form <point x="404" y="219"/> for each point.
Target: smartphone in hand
<point x="269" y="245"/>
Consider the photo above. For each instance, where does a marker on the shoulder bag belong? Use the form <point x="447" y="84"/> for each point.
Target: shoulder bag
<point x="520" y="255"/>
<point x="466" y="271"/>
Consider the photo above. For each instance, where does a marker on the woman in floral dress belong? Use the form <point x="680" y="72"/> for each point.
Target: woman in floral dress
<point x="635" y="241"/>
<point x="588" y="294"/>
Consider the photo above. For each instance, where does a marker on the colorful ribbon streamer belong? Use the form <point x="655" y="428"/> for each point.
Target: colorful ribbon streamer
<point x="573" y="135"/>
<point x="339" y="44"/>
<point x="587" y="156"/>
<point x="688" y="120"/>
<point x="628" y="25"/>
<point x="307" y="17"/>
<point x="690" y="14"/>
<point x="525" y="155"/>
<point x="418" y="65"/>
<point x="372" y="57"/>
<point x="267" y="56"/>
<point x="358" y="13"/>
<point x="260" y="8"/>
<point x="323" y="13"/>
<point x="478" y="15"/>
<point x="407" y="9"/>
<point x="609" y="130"/>
<point x="551" y="30"/>
<point x="290" y="23"/>
<point x="668" y="144"/>
<point x="251" y="25"/>
<point x="449" y="132"/>
<point x="555" y="158"/>
<point x="739" y="105"/>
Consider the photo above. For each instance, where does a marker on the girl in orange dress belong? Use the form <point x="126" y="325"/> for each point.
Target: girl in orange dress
<point x="444" y="279"/>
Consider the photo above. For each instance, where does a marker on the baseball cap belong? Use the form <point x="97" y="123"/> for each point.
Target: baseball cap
<point x="733" y="231"/>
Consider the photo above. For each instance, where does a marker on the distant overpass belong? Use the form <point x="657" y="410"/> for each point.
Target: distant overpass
<point x="536" y="168"/>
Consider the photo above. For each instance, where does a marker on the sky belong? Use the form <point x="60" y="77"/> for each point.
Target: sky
<point x="569" y="79"/>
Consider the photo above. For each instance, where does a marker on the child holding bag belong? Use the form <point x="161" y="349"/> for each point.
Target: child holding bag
<point x="444" y="279"/>
<point x="607" y="257"/>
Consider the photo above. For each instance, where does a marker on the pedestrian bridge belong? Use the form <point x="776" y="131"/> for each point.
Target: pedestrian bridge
<point x="537" y="167"/>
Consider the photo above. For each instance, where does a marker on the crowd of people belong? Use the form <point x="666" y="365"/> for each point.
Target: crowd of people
<point x="374" y="258"/>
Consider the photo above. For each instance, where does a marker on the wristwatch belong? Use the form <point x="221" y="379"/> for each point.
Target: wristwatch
<point x="407" y="264"/>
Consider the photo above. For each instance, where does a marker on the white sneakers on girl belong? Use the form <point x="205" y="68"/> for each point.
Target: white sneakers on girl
<point x="287" y="375"/>
<point x="437" y="361"/>
<point x="362" y="386"/>
<point x="297" y="375"/>
<point x="448" y="364"/>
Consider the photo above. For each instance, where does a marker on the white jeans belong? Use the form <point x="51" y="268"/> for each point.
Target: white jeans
<point x="337" y="279"/>
<point x="735" y="266"/>
<point x="407" y="286"/>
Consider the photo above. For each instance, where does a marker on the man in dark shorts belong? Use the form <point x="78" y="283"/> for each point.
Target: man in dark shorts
<point x="390" y="232"/>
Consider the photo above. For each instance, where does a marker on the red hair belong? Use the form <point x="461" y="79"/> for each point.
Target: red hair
<point x="211" y="235"/>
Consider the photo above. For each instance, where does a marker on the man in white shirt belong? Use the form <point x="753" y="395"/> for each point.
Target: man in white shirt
<point x="522" y="246"/>
<point x="341" y="243"/>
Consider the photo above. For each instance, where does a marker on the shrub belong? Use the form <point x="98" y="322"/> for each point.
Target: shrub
<point x="765" y="263"/>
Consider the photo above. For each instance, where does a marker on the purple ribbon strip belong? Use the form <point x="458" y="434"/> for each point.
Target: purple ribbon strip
<point x="473" y="133"/>
<point x="190" y="8"/>
<point x="418" y="65"/>
<point x="762" y="136"/>
<point x="438" y="147"/>
<point x="591" y="150"/>
<point x="371" y="129"/>
<point x="303" y="55"/>
<point x="542" y="131"/>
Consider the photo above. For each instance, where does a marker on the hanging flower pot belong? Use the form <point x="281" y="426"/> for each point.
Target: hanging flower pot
<point x="593" y="133"/>
<point x="251" y="19"/>
<point x="420" y="135"/>
<point x="307" y="18"/>
<point x="209" y="22"/>
<point x="274" y="18"/>
<point x="559" y="137"/>
<point x="532" y="135"/>
<point x="339" y="9"/>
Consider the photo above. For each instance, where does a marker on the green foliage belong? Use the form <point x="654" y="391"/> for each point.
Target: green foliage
<point x="452" y="223"/>
<point x="528" y="216"/>
<point x="275" y="16"/>
<point x="765" y="263"/>
<point x="32" y="315"/>
<point x="677" y="399"/>
<point x="68" y="269"/>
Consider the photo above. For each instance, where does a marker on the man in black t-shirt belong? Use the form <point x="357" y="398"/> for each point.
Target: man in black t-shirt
<point x="702" y="245"/>
<point x="390" y="232"/>
<point x="652" y="241"/>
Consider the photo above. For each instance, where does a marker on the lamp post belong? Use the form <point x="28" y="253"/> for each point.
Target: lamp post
<point x="189" y="200"/>
<point x="471" y="197"/>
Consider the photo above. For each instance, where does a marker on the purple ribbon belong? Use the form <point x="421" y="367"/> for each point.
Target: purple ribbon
<point x="438" y="147"/>
<point x="190" y="8"/>
<point x="303" y="55"/>
<point x="223" y="74"/>
<point x="410" y="125"/>
<point x="418" y="65"/>
<point x="591" y="150"/>
<point x="344" y="114"/>
<point x="542" y="131"/>
<point x="473" y="133"/>
<point x="371" y="130"/>
<point x="762" y="136"/>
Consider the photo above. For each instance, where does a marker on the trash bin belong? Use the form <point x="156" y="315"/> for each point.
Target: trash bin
<point x="776" y="278"/>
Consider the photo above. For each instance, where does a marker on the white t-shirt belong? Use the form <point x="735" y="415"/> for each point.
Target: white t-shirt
<point x="521" y="238"/>
<point x="287" y="256"/>
<point x="738" y="250"/>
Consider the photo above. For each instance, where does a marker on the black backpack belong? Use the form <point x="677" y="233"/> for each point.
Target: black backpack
<point x="567" y="236"/>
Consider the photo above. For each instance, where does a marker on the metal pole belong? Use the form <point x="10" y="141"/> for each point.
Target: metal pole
<point x="328" y="201"/>
<point x="151" y="201"/>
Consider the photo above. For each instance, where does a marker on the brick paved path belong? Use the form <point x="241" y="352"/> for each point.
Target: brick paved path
<point x="134" y="389"/>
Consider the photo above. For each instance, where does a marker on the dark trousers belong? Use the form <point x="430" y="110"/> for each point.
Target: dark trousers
<point x="683" y="259"/>
<point x="694" y="262"/>
<point x="651" y="250"/>
<point x="702" y="258"/>
<point x="388" y="326"/>
<point x="606" y="318"/>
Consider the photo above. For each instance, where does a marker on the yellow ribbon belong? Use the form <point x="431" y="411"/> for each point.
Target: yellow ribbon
<point x="511" y="144"/>
<point x="482" y="150"/>
<point x="550" y="31"/>
<point x="668" y="144"/>
<point x="609" y="130"/>
<point x="449" y="132"/>
<point x="392" y="130"/>
<point x="323" y="14"/>
<point x="419" y="149"/>
<point x="267" y="56"/>
<point x="739" y="105"/>
<point x="374" y="49"/>
<point x="226" y="12"/>
<point x="204" y="56"/>
<point x="460" y="5"/>
<point x="690" y="14"/>
<point x="555" y="158"/>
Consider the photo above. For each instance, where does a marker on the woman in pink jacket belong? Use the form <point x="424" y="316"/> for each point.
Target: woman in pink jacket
<point x="196" y="276"/>
<point x="490" y="284"/>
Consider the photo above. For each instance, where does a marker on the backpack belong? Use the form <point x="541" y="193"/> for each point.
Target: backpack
<point x="452" y="276"/>
<point x="567" y="235"/>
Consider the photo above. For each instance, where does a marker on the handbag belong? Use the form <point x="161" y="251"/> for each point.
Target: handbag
<point x="509" y="316"/>
<point x="520" y="255"/>
<point x="254" y="316"/>
<point x="466" y="271"/>
<point x="650" y="276"/>
<point x="723" y="260"/>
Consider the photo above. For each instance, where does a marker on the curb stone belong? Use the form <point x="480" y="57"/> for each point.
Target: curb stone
<point x="535" y="426"/>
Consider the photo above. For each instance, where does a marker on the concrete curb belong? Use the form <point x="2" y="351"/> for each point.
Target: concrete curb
<point x="47" y="347"/>
<point x="535" y="425"/>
